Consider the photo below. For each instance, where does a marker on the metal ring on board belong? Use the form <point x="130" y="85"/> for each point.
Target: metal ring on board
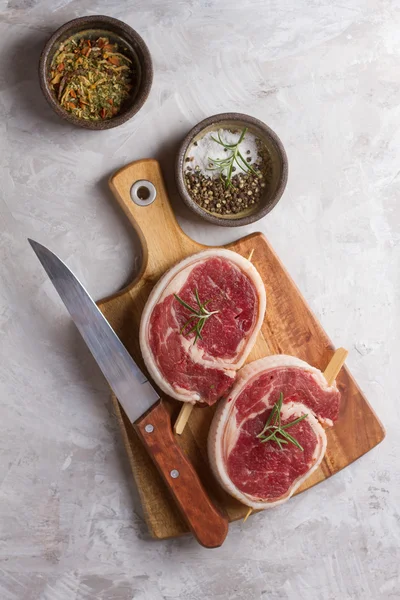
<point x="143" y="192"/>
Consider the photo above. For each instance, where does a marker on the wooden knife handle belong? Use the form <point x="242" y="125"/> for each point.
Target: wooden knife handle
<point x="207" y="524"/>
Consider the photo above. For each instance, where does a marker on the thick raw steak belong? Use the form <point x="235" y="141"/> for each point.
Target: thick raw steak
<point x="202" y="371"/>
<point x="262" y="475"/>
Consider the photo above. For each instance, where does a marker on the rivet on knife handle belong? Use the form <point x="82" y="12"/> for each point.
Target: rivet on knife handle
<point x="205" y="521"/>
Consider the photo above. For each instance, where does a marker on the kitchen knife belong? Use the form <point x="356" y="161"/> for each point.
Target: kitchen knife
<point x="140" y="401"/>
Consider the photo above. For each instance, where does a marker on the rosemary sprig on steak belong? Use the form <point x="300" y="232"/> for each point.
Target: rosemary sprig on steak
<point x="276" y="432"/>
<point x="226" y="165"/>
<point x="198" y="317"/>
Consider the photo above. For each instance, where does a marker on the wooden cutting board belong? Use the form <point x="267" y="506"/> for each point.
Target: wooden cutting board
<point x="289" y="328"/>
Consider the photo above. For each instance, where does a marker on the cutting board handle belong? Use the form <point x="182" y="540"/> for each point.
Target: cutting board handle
<point x="206" y="523"/>
<point x="162" y="239"/>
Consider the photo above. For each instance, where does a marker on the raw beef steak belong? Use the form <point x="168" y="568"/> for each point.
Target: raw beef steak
<point x="261" y="474"/>
<point x="202" y="368"/>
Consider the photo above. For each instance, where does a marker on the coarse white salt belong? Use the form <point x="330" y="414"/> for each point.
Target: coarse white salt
<point x="207" y="149"/>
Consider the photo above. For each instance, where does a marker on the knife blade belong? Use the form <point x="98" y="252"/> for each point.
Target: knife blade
<point x="140" y="401"/>
<point x="132" y="388"/>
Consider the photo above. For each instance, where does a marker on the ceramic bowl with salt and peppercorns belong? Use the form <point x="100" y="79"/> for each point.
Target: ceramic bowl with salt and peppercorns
<point x="231" y="169"/>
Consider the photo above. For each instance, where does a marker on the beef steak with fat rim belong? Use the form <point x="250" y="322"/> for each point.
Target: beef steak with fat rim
<point x="262" y="475"/>
<point x="204" y="370"/>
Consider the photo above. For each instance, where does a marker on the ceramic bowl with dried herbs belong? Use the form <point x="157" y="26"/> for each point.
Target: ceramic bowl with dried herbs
<point x="96" y="72"/>
<point x="231" y="169"/>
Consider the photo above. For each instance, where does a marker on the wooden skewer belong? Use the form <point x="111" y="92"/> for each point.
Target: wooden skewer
<point x="330" y="374"/>
<point x="335" y="364"/>
<point x="183" y="418"/>
<point x="247" y="514"/>
<point x="187" y="408"/>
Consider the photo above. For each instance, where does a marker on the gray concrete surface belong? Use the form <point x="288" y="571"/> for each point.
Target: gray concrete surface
<point x="325" y="76"/>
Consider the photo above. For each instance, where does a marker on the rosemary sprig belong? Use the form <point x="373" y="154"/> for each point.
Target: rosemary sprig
<point x="198" y="317"/>
<point x="274" y="430"/>
<point x="227" y="164"/>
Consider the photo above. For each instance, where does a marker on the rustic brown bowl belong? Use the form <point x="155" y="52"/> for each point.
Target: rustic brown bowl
<point x="273" y="191"/>
<point x="118" y="31"/>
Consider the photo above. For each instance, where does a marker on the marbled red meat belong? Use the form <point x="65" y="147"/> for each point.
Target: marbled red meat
<point x="261" y="474"/>
<point x="282" y="467"/>
<point x="205" y="370"/>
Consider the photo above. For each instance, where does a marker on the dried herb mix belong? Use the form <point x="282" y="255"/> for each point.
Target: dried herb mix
<point x="92" y="78"/>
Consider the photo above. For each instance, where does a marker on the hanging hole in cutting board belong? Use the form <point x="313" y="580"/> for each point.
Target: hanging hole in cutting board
<point x="143" y="192"/>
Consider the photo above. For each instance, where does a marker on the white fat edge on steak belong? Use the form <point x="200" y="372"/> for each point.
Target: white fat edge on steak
<point x="224" y="431"/>
<point x="172" y="282"/>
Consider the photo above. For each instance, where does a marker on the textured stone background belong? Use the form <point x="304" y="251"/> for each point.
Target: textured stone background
<point x="325" y="76"/>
